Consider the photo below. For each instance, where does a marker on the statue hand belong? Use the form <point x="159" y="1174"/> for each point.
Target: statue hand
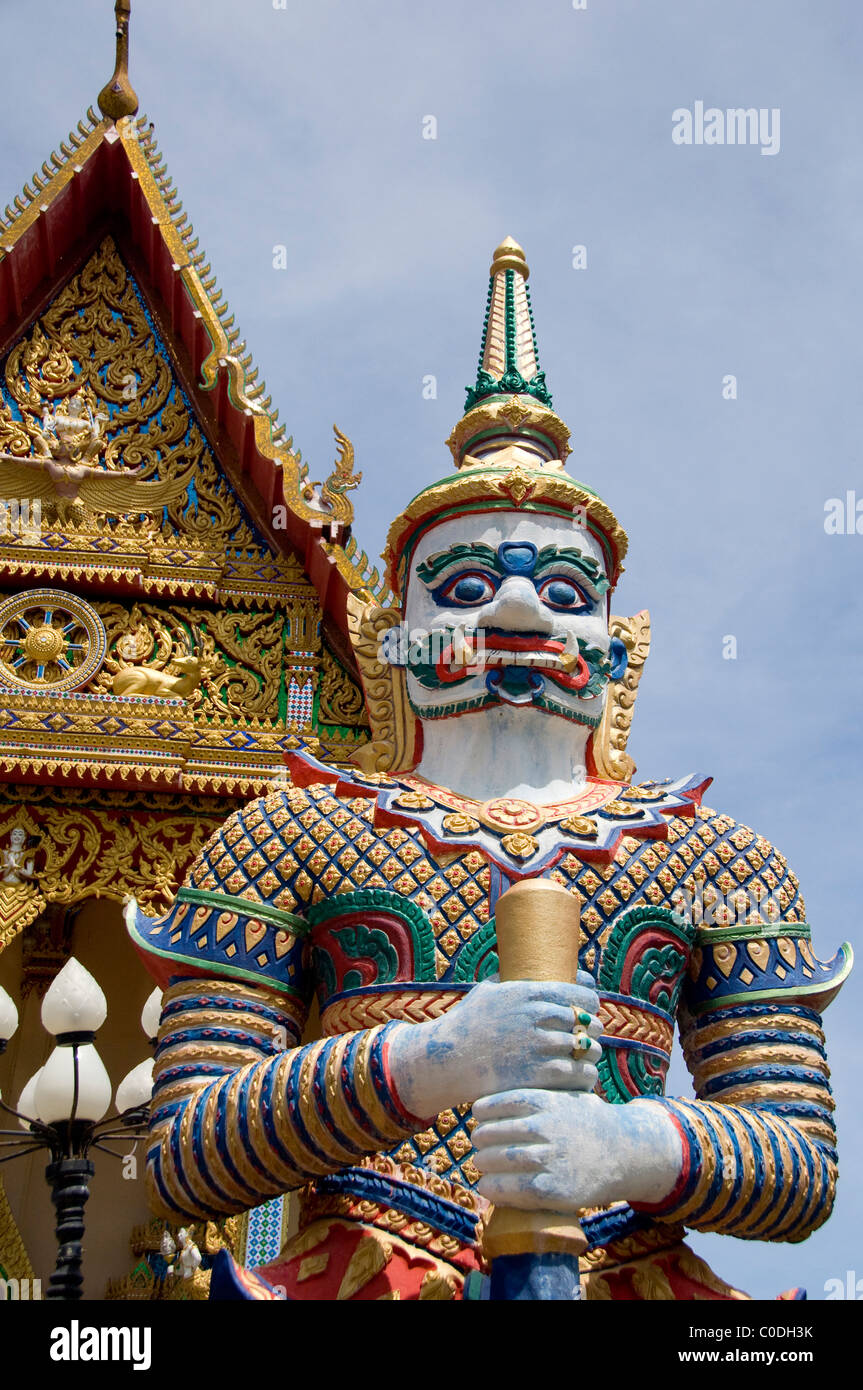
<point x="519" y="1033"/>
<point x="564" y="1150"/>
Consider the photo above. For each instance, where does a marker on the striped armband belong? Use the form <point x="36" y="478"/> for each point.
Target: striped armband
<point x="238" y="1118"/>
<point x="759" y="1143"/>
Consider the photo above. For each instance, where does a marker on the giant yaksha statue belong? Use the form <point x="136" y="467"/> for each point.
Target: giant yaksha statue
<point x="500" y="693"/>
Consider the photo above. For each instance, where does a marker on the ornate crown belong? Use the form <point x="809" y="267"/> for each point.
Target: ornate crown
<point x="509" y="447"/>
<point x="509" y="450"/>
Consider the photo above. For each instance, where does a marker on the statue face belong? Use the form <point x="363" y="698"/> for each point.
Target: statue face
<point x="507" y="609"/>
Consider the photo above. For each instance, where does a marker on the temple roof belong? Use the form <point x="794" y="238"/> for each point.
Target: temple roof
<point x="202" y="618"/>
<point x="109" y="178"/>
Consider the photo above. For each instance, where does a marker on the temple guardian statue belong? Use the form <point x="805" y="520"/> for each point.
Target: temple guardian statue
<point x="500" y="689"/>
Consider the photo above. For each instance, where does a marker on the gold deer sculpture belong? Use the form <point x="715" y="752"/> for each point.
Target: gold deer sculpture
<point x="150" y="680"/>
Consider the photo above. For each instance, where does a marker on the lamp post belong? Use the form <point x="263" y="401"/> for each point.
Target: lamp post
<point x="61" y="1108"/>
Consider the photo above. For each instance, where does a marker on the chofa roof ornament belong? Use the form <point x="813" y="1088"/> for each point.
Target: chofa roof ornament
<point x="118" y="97"/>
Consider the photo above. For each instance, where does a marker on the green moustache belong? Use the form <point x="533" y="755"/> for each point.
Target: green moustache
<point x="423" y="660"/>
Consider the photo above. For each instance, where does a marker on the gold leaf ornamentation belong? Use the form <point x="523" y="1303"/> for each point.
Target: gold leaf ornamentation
<point x="414" y="801"/>
<point x="437" y="1286"/>
<point x="14" y="1260"/>
<point x="20" y="905"/>
<point x="519" y="845"/>
<point x="459" y="824"/>
<point x="608" y="745"/>
<point x="580" y="825"/>
<point x="340" y="698"/>
<point x="393" y="723"/>
<point x="369" y="1258"/>
<point x="312" y="1265"/>
<point x="651" y="1282"/>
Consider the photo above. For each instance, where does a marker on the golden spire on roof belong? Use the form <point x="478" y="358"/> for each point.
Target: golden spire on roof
<point x="118" y="98"/>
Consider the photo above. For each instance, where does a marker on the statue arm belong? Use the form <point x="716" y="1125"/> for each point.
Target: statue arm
<point x="238" y="1116"/>
<point x="241" y="1111"/>
<point x="759" y="1142"/>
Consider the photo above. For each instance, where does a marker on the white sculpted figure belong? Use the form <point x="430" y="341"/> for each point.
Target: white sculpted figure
<point x="15" y="866"/>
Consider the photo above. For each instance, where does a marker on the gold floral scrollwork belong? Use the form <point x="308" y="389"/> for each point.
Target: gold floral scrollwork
<point x="393" y="723"/>
<point x="101" y="852"/>
<point x="460" y="824"/>
<point x="340" y="699"/>
<point x="609" y="741"/>
<point x="95" y="342"/>
<point x="232" y="660"/>
<point x="584" y="826"/>
<point x="20" y="905"/>
<point x="414" y="801"/>
<point x="519" y="845"/>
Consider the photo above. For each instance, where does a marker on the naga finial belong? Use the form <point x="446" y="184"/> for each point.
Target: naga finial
<point x="343" y="478"/>
<point x="330" y="497"/>
<point x="118" y="97"/>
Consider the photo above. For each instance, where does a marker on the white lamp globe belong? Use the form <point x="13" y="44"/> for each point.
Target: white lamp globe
<point x="74" y="1003"/>
<point x="151" y="1014"/>
<point x="27" y="1100"/>
<point x="8" y="1016"/>
<point x="136" y="1088"/>
<point x="55" y="1089"/>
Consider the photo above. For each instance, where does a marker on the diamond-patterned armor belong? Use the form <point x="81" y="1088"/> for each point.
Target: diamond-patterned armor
<point x="334" y="889"/>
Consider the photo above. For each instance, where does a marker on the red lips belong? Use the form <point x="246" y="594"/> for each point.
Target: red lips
<point x="512" y="642"/>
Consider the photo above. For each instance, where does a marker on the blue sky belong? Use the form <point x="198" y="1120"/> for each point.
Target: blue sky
<point x="303" y="127"/>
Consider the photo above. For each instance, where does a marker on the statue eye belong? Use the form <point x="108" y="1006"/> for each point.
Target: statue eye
<point x="562" y="593"/>
<point x="467" y="589"/>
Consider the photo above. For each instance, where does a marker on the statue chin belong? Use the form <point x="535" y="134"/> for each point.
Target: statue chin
<point x="506" y="750"/>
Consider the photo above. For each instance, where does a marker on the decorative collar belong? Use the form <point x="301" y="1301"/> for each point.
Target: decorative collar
<point x="521" y="837"/>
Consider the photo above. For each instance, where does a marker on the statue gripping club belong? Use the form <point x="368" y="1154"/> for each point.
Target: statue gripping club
<point x="499" y="691"/>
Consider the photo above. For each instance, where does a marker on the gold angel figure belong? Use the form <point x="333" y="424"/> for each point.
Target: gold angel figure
<point x="61" y="470"/>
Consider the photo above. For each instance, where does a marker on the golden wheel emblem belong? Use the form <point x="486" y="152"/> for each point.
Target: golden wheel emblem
<point x="49" y="641"/>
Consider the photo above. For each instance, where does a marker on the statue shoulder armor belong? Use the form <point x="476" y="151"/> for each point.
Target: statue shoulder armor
<point x="241" y="910"/>
<point x="752" y="941"/>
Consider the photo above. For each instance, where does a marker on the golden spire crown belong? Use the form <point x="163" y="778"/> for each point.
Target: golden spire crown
<point x="509" y="447"/>
<point x="118" y="98"/>
<point x="509" y="256"/>
<point x="510" y="395"/>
